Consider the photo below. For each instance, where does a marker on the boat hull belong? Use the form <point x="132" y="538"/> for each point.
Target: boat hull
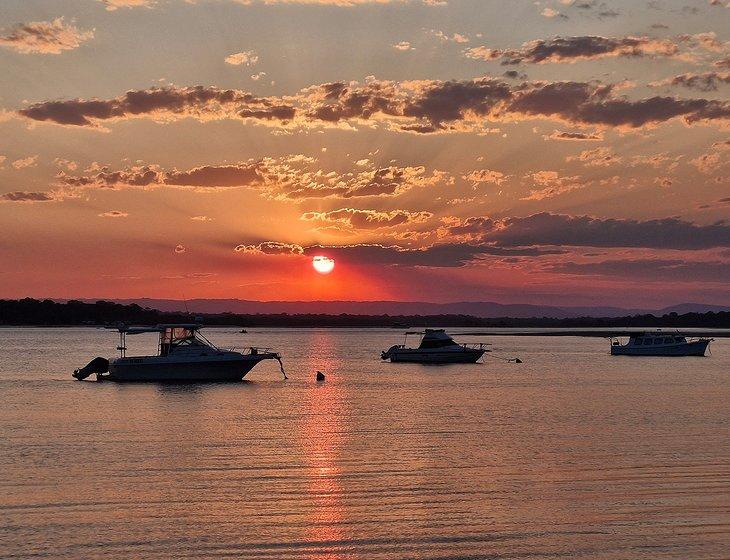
<point x="161" y="371"/>
<point x="697" y="348"/>
<point x="419" y="357"/>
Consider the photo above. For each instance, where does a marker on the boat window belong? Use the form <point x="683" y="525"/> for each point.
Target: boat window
<point x="438" y="343"/>
<point x="679" y="339"/>
<point x="657" y="341"/>
<point x="668" y="341"/>
<point x="638" y="341"/>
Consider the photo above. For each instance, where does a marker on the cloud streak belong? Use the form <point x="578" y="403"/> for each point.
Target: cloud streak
<point x="421" y="107"/>
<point x="660" y="270"/>
<point x="574" y="49"/>
<point x="27" y="196"/>
<point x="45" y="37"/>
<point x="367" y="219"/>
<point x="586" y="231"/>
<point x="161" y="104"/>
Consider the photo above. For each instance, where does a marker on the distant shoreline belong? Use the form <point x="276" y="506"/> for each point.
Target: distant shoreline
<point x="47" y="313"/>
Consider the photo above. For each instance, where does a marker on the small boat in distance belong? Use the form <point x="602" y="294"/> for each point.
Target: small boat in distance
<point x="436" y="347"/>
<point x="184" y="356"/>
<point x="658" y="343"/>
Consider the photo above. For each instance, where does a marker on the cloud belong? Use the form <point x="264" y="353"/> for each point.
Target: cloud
<point x="22" y="163"/>
<point x="454" y="38"/>
<point x="573" y="49"/>
<point x="115" y="4"/>
<point x="586" y="231"/>
<point x="105" y="178"/>
<point x="551" y="13"/>
<point x="552" y="184"/>
<point x="45" y="37"/>
<point x="661" y="270"/>
<point x="271" y="248"/>
<point x="708" y="81"/>
<point x="598" y="157"/>
<point x="367" y="219"/>
<point x="287" y="178"/>
<point x="113" y="214"/>
<point x="422" y="107"/>
<point x="201" y="218"/>
<point x="293" y="183"/>
<point x="403" y="46"/>
<point x="26" y="196"/>
<point x="713" y="160"/>
<point x="67" y="164"/>
<point x="574" y="135"/>
<point x="244" y="174"/>
<point x="162" y="104"/>
<point x="112" y="5"/>
<point x="436" y="256"/>
<point x="248" y="58"/>
<point x="479" y="176"/>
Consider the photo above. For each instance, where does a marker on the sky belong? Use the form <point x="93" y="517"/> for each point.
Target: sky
<point x="561" y="152"/>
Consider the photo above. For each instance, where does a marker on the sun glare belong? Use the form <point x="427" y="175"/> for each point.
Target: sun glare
<point x="323" y="265"/>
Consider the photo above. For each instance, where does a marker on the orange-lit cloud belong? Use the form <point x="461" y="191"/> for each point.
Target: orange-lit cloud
<point x="420" y="107"/>
<point x="573" y="49"/>
<point x="45" y="37"/>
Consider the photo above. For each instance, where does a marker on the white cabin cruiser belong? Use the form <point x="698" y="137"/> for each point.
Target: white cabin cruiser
<point x="184" y="356"/>
<point x="436" y="347"/>
<point x="659" y="344"/>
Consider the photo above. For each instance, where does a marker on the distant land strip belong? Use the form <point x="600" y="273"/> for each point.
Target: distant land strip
<point x="33" y="312"/>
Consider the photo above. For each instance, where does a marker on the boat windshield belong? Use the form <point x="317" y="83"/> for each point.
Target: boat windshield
<point x="173" y="337"/>
<point x="436" y="340"/>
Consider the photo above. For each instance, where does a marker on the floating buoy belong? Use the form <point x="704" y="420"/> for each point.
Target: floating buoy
<point x="320" y="376"/>
<point x="518" y="361"/>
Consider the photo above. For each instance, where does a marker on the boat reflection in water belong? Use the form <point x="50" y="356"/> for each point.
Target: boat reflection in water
<point x="184" y="356"/>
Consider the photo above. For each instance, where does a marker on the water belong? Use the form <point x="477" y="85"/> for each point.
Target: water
<point x="573" y="453"/>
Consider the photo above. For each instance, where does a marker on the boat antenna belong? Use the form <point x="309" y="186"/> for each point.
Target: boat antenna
<point x="185" y="301"/>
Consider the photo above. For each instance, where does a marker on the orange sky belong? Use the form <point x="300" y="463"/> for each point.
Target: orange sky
<point x="549" y="152"/>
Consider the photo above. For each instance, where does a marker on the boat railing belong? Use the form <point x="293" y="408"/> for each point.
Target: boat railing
<point x="252" y="350"/>
<point x="475" y="345"/>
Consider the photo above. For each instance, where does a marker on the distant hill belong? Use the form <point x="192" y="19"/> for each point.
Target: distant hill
<point x="482" y="309"/>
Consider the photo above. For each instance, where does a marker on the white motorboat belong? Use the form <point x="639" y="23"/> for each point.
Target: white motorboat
<point x="659" y="343"/>
<point x="184" y="356"/>
<point x="436" y="347"/>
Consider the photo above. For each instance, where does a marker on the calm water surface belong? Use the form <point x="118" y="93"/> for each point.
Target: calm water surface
<point x="572" y="454"/>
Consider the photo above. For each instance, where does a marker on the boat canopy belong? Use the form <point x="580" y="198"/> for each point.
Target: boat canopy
<point x="436" y="339"/>
<point x="159" y="328"/>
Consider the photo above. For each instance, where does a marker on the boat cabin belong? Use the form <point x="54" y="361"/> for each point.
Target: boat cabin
<point x="433" y="338"/>
<point x="175" y="336"/>
<point x="171" y="337"/>
<point x="656" y="339"/>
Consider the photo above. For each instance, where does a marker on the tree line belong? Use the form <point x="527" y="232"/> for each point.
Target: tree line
<point x="33" y="312"/>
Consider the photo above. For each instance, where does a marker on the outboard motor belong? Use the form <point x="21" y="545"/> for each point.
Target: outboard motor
<point x="97" y="365"/>
<point x="385" y="355"/>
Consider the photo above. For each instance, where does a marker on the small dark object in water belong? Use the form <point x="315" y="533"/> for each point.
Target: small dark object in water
<point x="518" y="361"/>
<point x="320" y="376"/>
<point x="97" y="365"/>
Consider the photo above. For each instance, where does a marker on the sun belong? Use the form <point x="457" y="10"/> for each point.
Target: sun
<point x="323" y="265"/>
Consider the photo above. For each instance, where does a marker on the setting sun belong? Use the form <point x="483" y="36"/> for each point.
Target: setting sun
<point x="323" y="265"/>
